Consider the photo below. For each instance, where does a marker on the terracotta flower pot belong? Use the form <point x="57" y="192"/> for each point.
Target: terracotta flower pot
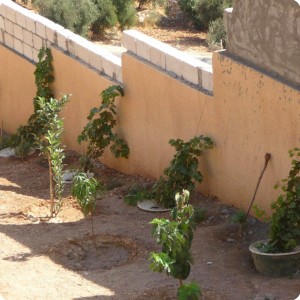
<point x="275" y="264"/>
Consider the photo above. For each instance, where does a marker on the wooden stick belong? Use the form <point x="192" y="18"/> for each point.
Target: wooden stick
<point x="267" y="158"/>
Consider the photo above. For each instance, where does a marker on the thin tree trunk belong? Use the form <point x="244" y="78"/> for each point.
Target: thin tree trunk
<point x="51" y="188"/>
<point x="93" y="235"/>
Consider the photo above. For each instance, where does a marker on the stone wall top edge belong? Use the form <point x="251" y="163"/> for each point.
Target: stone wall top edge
<point x="164" y="48"/>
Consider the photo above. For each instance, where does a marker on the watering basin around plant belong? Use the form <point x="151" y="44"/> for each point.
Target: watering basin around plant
<point x="81" y="254"/>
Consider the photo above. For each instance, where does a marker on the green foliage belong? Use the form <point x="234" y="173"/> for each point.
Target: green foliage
<point x="260" y="213"/>
<point x="175" y="236"/>
<point x="189" y="292"/>
<point x="199" y="214"/>
<point x="285" y="220"/>
<point x="5" y="142"/>
<point x="203" y="12"/>
<point x="182" y="172"/>
<point x="126" y="13"/>
<point x="26" y="135"/>
<point x="216" y="34"/>
<point x="85" y="189"/>
<point x="75" y="15"/>
<point x="50" y="145"/>
<point x="142" y="3"/>
<point x="99" y="130"/>
<point x="106" y="16"/>
<point x="239" y="217"/>
<point x="135" y="195"/>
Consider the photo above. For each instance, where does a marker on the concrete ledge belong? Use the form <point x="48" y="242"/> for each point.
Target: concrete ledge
<point x="169" y="59"/>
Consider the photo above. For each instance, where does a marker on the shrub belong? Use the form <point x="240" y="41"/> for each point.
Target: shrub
<point x="207" y="11"/>
<point x="75" y="15"/>
<point x="216" y="34"/>
<point x="203" y="12"/>
<point x="106" y="16"/>
<point x="126" y="13"/>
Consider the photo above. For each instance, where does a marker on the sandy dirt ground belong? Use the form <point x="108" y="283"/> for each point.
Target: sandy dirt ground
<point x="56" y="259"/>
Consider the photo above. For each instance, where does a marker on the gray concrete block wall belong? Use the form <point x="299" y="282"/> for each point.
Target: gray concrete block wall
<point x="266" y="34"/>
<point x="169" y="59"/>
<point x="26" y="32"/>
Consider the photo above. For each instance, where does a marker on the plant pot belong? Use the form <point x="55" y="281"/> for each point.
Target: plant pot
<point x="152" y="206"/>
<point x="275" y="264"/>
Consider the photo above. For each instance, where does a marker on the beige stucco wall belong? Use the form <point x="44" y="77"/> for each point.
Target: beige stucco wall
<point x="266" y="33"/>
<point x="248" y="115"/>
<point x="16" y="89"/>
<point x="255" y="114"/>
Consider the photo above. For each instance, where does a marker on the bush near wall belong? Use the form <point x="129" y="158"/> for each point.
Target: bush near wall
<point x="81" y="15"/>
<point x="203" y="12"/>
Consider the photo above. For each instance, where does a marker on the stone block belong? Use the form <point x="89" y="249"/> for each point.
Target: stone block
<point x="157" y="56"/>
<point x="3" y="10"/>
<point x="18" y="46"/>
<point x="190" y="71"/>
<point x="9" y="26"/>
<point x="75" y="43"/>
<point x="40" y="26"/>
<point x="10" y="13"/>
<point x="1" y="36"/>
<point x="21" y="18"/>
<point x="129" y="40"/>
<point x="38" y="42"/>
<point x="62" y="37"/>
<point x="28" y="37"/>
<point x="109" y="64"/>
<point x="207" y="79"/>
<point x="51" y="31"/>
<point x="143" y="49"/>
<point x="8" y="40"/>
<point x="118" y="73"/>
<point x="30" y="23"/>
<point x="174" y="62"/>
<point x="95" y="60"/>
<point x="27" y="51"/>
<point x="35" y="55"/>
<point x="18" y="32"/>
<point x="1" y="22"/>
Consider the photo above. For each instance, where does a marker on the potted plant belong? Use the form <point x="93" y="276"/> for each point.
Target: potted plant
<point x="280" y="254"/>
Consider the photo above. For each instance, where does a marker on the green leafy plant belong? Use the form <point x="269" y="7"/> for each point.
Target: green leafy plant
<point x="50" y="145"/>
<point x="261" y="214"/>
<point x="136" y="194"/>
<point x="85" y="189"/>
<point x="75" y="15"/>
<point x="199" y="214"/>
<point x="106" y="16"/>
<point x="175" y="236"/>
<point x="126" y="13"/>
<point x="182" y="172"/>
<point x="285" y="220"/>
<point x="203" y="12"/>
<point x="189" y="292"/>
<point x="5" y="142"/>
<point x="26" y="135"/>
<point x="216" y="34"/>
<point x="98" y="132"/>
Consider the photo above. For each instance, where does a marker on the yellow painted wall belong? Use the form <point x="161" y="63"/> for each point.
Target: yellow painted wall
<point x="250" y="114"/>
<point x="16" y="89"/>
